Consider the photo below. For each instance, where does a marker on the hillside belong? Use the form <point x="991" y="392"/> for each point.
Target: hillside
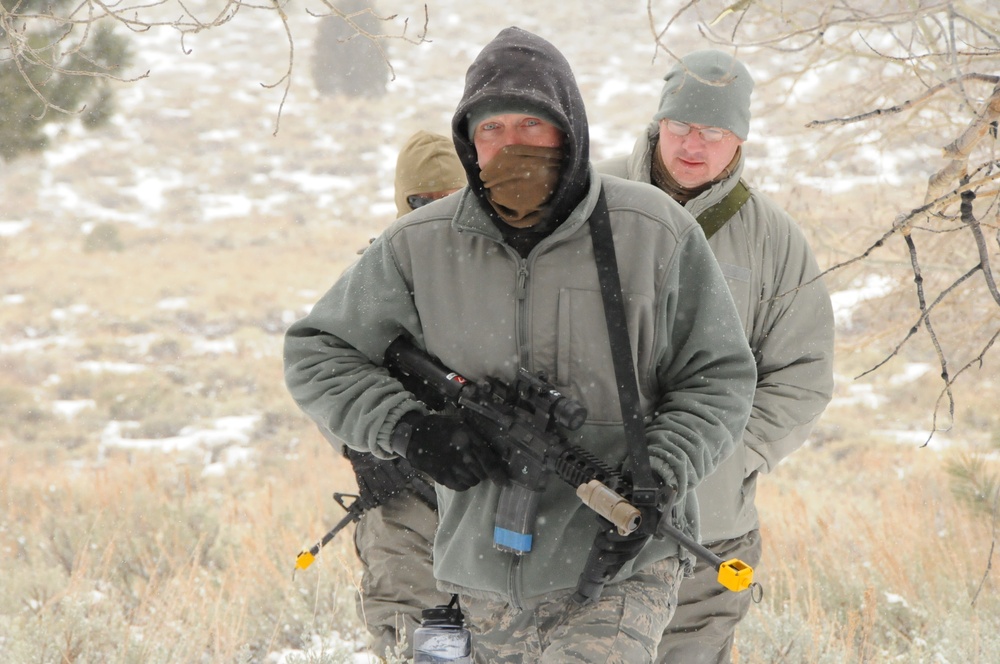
<point x="157" y="479"/>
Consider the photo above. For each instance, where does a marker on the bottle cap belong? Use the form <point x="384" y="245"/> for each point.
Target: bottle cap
<point x="442" y="615"/>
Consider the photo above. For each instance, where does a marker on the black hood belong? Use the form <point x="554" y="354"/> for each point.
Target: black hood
<point x="518" y="66"/>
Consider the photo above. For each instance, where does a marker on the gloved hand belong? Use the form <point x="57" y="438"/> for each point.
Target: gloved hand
<point x="609" y="553"/>
<point x="449" y="451"/>
<point x="379" y="480"/>
<point x="616" y="550"/>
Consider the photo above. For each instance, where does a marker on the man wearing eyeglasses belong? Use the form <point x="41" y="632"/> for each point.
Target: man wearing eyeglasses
<point x="692" y="150"/>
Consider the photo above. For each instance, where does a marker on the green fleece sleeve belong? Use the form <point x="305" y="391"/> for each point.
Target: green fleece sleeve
<point x="332" y="357"/>
<point x="792" y="339"/>
<point x="705" y="373"/>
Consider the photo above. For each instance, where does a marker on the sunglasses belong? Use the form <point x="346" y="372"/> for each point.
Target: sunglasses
<point x="417" y="201"/>
<point x="708" y="134"/>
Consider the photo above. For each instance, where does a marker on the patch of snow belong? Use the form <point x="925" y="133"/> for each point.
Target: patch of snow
<point x="846" y="301"/>
<point x="860" y="394"/>
<point x="151" y="186"/>
<point x="12" y="228"/>
<point x="893" y="598"/>
<point x="33" y="345"/>
<point x="120" y="368"/>
<point x="334" y="643"/>
<point x="219" y="135"/>
<point x="224" y="206"/>
<point x="911" y="372"/>
<point x="214" y="346"/>
<point x="231" y="457"/>
<point x="938" y="441"/>
<point x="63" y="152"/>
<point x="233" y="430"/>
<point x="70" y="408"/>
<point x="73" y="310"/>
<point x="317" y="183"/>
<point x="383" y="210"/>
<point x="140" y="342"/>
<point x="172" y="303"/>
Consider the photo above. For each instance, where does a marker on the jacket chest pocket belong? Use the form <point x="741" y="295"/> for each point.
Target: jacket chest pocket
<point x="584" y="368"/>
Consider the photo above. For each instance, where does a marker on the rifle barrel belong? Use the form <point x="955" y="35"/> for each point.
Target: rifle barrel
<point x="307" y="556"/>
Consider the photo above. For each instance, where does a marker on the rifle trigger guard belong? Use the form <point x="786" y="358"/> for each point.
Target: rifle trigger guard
<point x="339" y="498"/>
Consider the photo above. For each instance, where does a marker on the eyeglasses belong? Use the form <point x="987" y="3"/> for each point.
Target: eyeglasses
<point x="708" y="134"/>
<point x="417" y="201"/>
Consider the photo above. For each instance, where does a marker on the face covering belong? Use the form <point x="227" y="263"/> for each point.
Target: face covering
<point x="520" y="180"/>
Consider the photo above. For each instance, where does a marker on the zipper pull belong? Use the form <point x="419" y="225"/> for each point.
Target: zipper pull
<point x="522" y="278"/>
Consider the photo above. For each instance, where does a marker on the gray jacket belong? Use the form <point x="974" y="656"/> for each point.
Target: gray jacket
<point x="788" y="320"/>
<point x="444" y="275"/>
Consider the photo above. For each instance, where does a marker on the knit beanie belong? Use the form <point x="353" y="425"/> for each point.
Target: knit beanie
<point x="708" y="88"/>
<point x="491" y="107"/>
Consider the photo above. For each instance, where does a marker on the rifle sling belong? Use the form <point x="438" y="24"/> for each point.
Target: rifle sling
<point x="715" y="217"/>
<point x="621" y="351"/>
<point x="424" y="491"/>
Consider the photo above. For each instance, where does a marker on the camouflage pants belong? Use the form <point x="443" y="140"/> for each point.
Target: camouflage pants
<point x="623" y="626"/>
<point x="704" y="625"/>
<point x="395" y="545"/>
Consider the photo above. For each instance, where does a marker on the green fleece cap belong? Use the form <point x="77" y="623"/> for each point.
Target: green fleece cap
<point x="492" y="107"/>
<point x="708" y="88"/>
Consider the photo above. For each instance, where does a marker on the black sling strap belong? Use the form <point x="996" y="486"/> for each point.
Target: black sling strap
<point x="715" y="217"/>
<point x="645" y="492"/>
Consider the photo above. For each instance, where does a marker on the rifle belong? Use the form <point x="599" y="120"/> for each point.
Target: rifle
<point x="360" y="504"/>
<point x="520" y="420"/>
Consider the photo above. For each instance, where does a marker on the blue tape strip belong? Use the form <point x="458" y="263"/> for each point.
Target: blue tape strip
<point x="512" y="540"/>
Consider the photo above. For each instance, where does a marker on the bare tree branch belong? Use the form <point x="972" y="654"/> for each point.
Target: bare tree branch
<point x="993" y="545"/>
<point x="975" y="362"/>
<point x="141" y="17"/>
<point x="960" y="149"/>
<point x="920" y="321"/>
<point x="287" y="76"/>
<point x="918" y="279"/>
<point x="906" y="105"/>
<point x="946" y="47"/>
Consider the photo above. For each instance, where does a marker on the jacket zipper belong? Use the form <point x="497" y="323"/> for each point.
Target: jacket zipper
<point x="514" y="590"/>
<point x="522" y="311"/>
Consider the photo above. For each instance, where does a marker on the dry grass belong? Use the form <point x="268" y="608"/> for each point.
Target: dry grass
<point x="142" y="559"/>
<point x="869" y="558"/>
<point x="130" y="555"/>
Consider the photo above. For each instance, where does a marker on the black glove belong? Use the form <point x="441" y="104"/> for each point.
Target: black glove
<point x="609" y="553"/>
<point x="379" y="480"/>
<point x="448" y="450"/>
<point x="616" y="550"/>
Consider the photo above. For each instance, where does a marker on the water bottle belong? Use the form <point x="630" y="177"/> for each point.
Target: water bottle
<point x="442" y="636"/>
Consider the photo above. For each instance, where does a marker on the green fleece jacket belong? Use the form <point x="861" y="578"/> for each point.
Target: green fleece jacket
<point x="788" y="321"/>
<point x="445" y="275"/>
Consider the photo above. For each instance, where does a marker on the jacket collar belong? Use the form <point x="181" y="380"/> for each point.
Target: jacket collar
<point x="470" y="216"/>
<point x="640" y="161"/>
